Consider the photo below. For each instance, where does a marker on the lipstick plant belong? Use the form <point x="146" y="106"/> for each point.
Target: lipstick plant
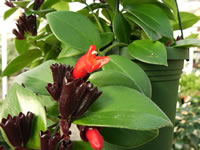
<point x="81" y="72"/>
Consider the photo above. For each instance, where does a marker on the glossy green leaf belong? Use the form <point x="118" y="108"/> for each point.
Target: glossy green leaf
<point x="106" y="38"/>
<point x="21" y="46"/>
<point x="48" y="3"/>
<point x="9" y="12"/>
<point x="188" y="43"/>
<point x="153" y="35"/>
<point x="62" y="5"/>
<point x="168" y="11"/>
<point x="133" y="138"/>
<point x="148" y="52"/>
<point x="134" y="2"/>
<point x="79" y="145"/>
<point x="69" y="60"/>
<point x="68" y="28"/>
<point x="22" y="4"/>
<point x="21" y="61"/>
<point x="68" y="51"/>
<point x="128" y="67"/>
<point x="51" y="106"/>
<point x="152" y="16"/>
<point x="41" y="13"/>
<point x="19" y="100"/>
<point x="111" y="3"/>
<point x="122" y="107"/>
<point x="37" y="78"/>
<point x="187" y="19"/>
<point x="121" y="28"/>
<point x="171" y="4"/>
<point x="192" y="36"/>
<point x="93" y="6"/>
<point x="112" y="77"/>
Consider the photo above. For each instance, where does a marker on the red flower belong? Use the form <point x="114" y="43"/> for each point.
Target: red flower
<point x="92" y="135"/>
<point x="89" y="63"/>
<point x="95" y="138"/>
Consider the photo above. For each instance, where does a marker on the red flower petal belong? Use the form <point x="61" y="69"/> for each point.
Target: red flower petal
<point x="89" y="63"/>
<point x="95" y="139"/>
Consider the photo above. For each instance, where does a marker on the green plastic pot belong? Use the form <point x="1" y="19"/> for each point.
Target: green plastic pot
<point x="165" y="82"/>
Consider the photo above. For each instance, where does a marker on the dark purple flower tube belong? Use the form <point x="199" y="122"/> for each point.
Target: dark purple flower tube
<point x="55" y="142"/>
<point x="25" y="24"/>
<point x="9" y="3"/>
<point x="37" y="4"/>
<point x="74" y="96"/>
<point x="18" y="129"/>
<point x="59" y="71"/>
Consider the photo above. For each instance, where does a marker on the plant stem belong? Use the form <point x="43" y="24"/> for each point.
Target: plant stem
<point x="53" y="125"/>
<point x="112" y="46"/>
<point x="95" y="17"/>
<point x="117" y="5"/>
<point x="179" y="20"/>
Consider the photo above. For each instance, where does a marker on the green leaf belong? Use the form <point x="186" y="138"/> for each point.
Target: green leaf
<point x="106" y="38"/>
<point x="79" y="145"/>
<point x="62" y="5"/>
<point x="69" y="60"/>
<point x="121" y="28"/>
<point x="188" y="43"/>
<point x="168" y="11"/>
<point x="192" y="36"/>
<point x="187" y="19"/>
<point x="122" y="107"/>
<point x="128" y="68"/>
<point x="68" y="51"/>
<point x="37" y="78"/>
<point x="19" y="100"/>
<point x="111" y="3"/>
<point x="22" y="4"/>
<point x="21" y="46"/>
<point x="9" y="12"/>
<point x="171" y="4"/>
<point x="152" y="16"/>
<point x="134" y="2"/>
<point x="93" y="6"/>
<point x="153" y="35"/>
<point x="21" y="61"/>
<point x="133" y="138"/>
<point x="41" y="13"/>
<point x="148" y="52"/>
<point x="68" y="28"/>
<point x="51" y="106"/>
<point x="112" y="77"/>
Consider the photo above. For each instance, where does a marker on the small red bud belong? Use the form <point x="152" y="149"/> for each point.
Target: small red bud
<point x="95" y="139"/>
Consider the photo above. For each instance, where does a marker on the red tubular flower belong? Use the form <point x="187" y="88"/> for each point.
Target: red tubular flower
<point x="95" y="138"/>
<point x="92" y="135"/>
<point x="89" y="63"/>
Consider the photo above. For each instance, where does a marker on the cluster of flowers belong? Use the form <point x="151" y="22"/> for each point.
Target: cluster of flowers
<point x="74" y="96"/>
<point x="25" y="24"/>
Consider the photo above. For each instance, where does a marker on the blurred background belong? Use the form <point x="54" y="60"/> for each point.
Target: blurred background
<point x="187" y="127"/>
